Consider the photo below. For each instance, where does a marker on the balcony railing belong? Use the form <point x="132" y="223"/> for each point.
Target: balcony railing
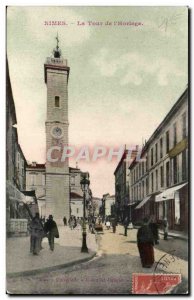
<point x="54" y="61"/>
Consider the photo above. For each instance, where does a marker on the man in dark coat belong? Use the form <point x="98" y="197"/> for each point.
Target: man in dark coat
<point x="114" y="224"/>
<point x="125" y="224"/>
<point x="50" y="228"/>
<point x="154" y="228"/>
<point x="64" y="221"/>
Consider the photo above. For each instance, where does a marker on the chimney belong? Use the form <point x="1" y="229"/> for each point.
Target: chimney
<point x="34" y="164"/>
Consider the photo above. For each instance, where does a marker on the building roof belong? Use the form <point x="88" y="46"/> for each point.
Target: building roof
<point x="121" y="161"/>
<point x="36" y="166"/>
<point x="133" y="154"/>
<point x="74" y="169"/>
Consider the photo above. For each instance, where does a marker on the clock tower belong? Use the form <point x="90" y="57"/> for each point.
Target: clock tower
<point x="56" y="74"/>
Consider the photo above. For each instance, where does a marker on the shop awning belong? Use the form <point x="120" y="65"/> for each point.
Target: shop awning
<point x="169" y="193"/>
<point x="143" y="202"/>
<point x="14" y="193"/>
<point x="19" y="196"/>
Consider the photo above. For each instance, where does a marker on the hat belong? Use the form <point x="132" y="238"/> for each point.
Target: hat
<point x="50" y="216"/>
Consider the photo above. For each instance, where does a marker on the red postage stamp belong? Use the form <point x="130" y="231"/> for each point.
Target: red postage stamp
<point x="154" y="283"/>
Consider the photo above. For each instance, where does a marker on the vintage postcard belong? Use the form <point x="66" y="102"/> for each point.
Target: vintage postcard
<point x="97" y="150"/>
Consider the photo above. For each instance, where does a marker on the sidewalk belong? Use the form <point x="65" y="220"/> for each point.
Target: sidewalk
<point x="176" y="234"/>
<point x="173" y="234"/>
<point x="67" y="252"/>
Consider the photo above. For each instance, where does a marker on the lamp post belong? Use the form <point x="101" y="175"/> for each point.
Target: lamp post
<point x="84" y="186"/>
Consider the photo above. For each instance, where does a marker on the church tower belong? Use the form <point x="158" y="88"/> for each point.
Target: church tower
<point x="56" y="73"/>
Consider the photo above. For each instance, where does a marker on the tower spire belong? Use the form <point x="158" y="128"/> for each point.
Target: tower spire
<point x="57" y="51"/>
<point x="57" y="38"/>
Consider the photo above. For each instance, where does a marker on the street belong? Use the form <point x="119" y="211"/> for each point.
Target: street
<point x="110" y="272"/>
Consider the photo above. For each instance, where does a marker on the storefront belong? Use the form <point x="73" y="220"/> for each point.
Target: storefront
<point x="173" y="205"/>
<point x="18" y="209"/>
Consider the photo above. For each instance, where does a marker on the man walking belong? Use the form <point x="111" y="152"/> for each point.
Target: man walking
<point x="165" y="227"/>
<point x="50" y="228"/>
<point x="125" y="224"/>
<point x="114" y="224"/>
<point x="154" y="228"/>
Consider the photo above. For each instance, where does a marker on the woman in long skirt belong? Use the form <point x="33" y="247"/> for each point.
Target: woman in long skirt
<point x="145" y="242"/>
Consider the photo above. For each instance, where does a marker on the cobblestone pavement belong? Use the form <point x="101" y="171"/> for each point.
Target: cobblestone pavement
<point x="110" y="272"/>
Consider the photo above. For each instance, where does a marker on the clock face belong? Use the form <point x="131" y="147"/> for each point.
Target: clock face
<point x="57" y="132"/>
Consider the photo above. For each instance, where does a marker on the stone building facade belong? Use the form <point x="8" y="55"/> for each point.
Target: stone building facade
<point x="108" y="204"/>
<point x="17" y="206"/>
<point x="122" y="199"/>
<point x="159" y="181"/>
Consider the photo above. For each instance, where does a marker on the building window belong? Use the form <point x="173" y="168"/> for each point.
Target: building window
<point x="143" y="168"/>
<point x="175" y="169"/>
<point x="146" y="163"/>
<point x="147" y="186"/>
<point x="156" y="180"/>
<point x="184" y="133"/>
<point x="167" y="142"/>
<point x="184" y="165"/>
<point x="175" y="134"/>
<point x="139" y="191"/>
<point x="43" y="179"/>
<point x="161" y="176"/>
<point x="72" y="180"/>
<point x="167" y="174"/>
<point x="152" y="182"/>
<point x="22" y="168"/>
<point x="156" y="153"/>
<point x="33" y="179"/>
<point x="57" y="101"/>
<point x="18" y="162"/>
<point x="77" y="210"/>
<point x="152" y="157"/>
<point x="139" y="169"/>
<point x="161" y="148"/>
<point x="143" y="192"/>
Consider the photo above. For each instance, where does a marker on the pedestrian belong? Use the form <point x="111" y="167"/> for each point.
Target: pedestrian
<point x="145" y="243"/>
<point x="154" y="228"/>
<point x="36" y="234"/>
<point x="125" y="223"/>
<point x="165" y="228"/>
<point x="64" y="221"/>
<point x="114" y="224"/>
<point x="108" y="225"/>
<point x="50" y="228"/>
<point x="74" y="222"/>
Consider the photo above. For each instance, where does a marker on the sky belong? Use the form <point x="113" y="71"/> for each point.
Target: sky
<point x="123" y="79"/>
